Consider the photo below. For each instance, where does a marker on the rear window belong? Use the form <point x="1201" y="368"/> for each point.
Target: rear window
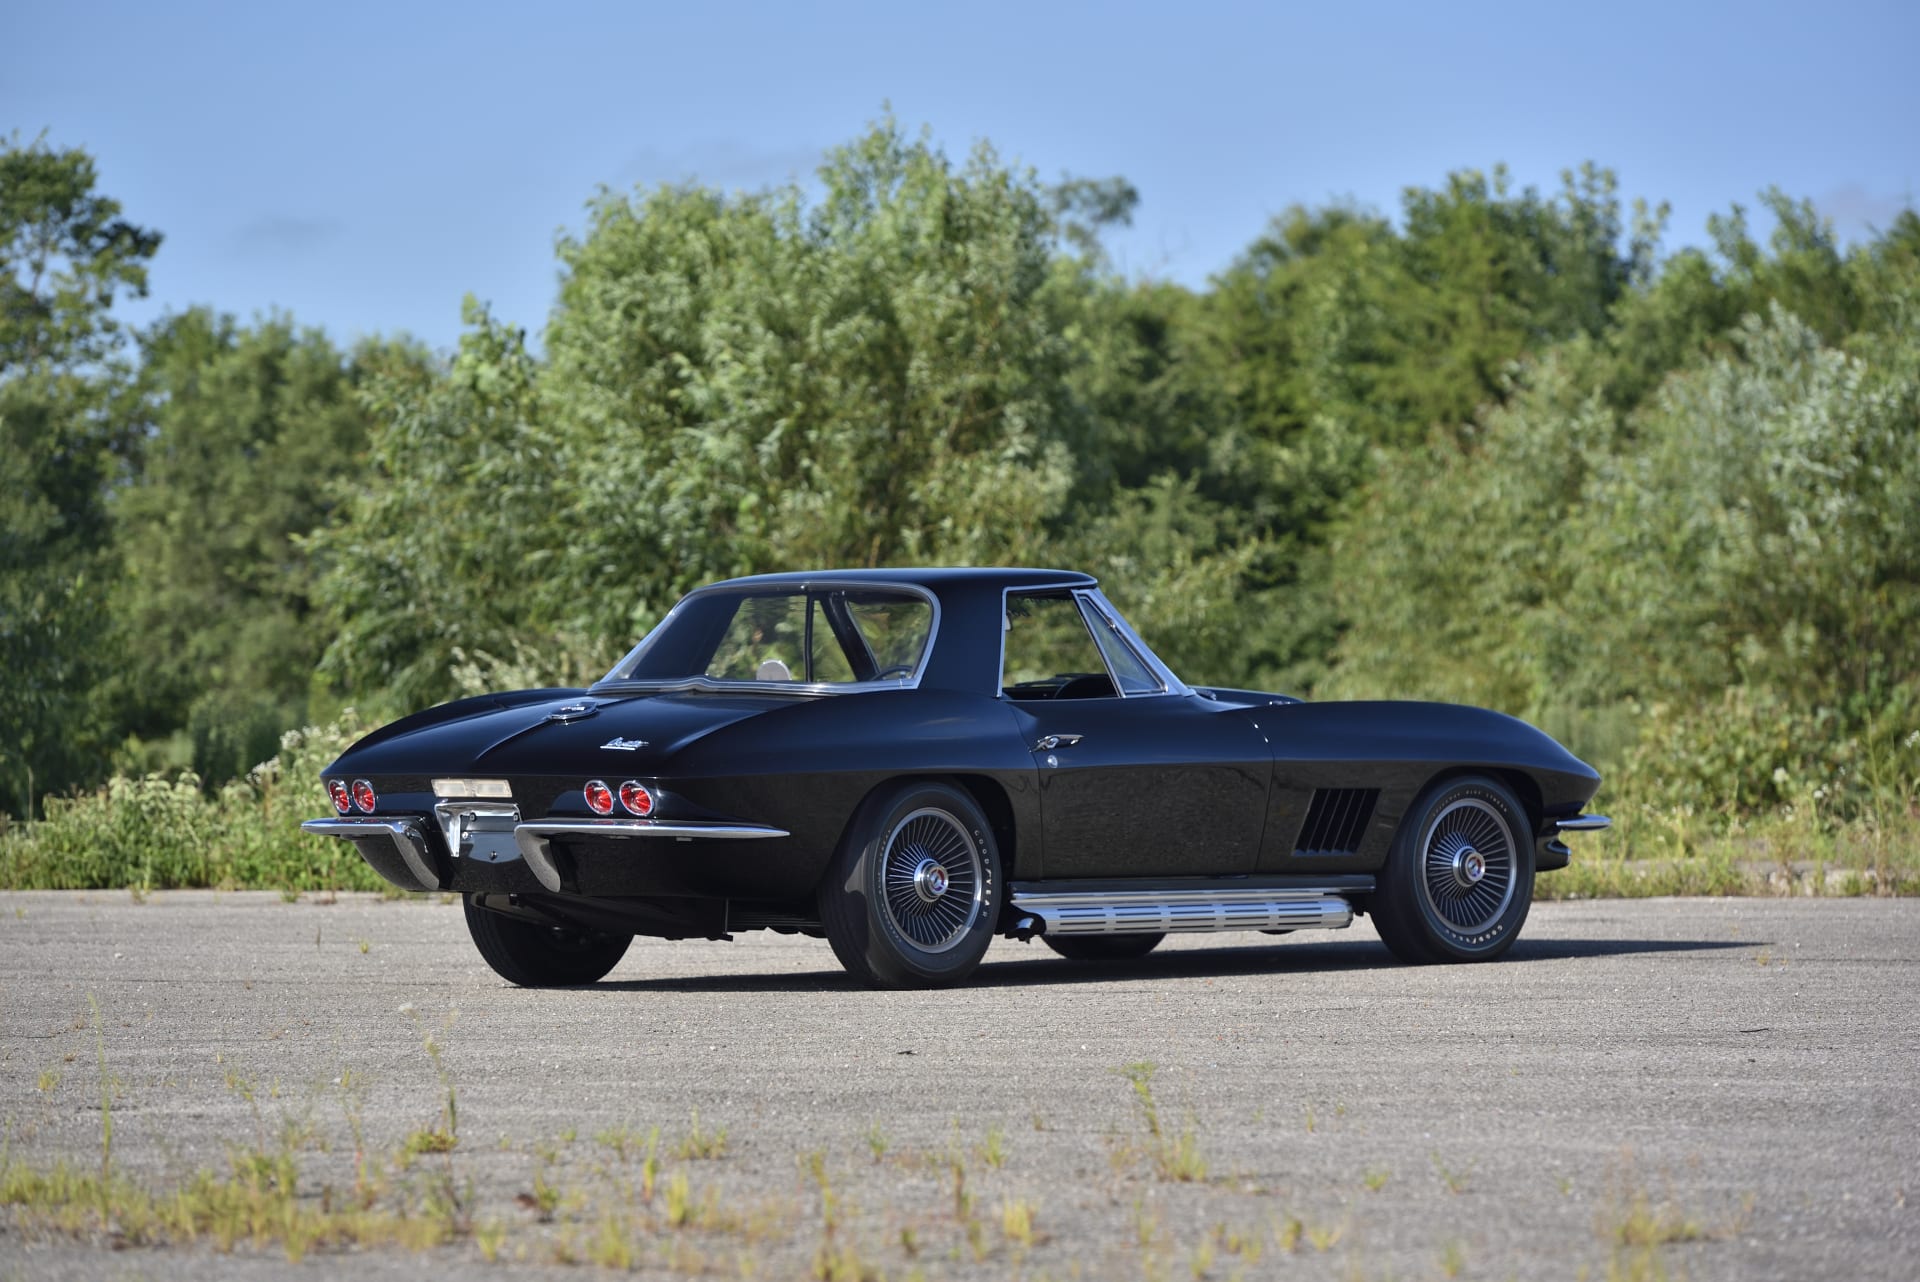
<point x="799" y="636"/>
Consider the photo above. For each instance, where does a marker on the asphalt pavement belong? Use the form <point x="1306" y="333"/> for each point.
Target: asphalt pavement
<point x="1700" y="1088"/>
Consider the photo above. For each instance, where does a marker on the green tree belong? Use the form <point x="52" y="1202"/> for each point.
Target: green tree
<point x="247" y="431"/>
<point x="456" y="543"/>
<point x="1691" y="307"/>
<point x="65" y="255"/>
<point x="1731" y="573"/>
<point x="732" y="384"/>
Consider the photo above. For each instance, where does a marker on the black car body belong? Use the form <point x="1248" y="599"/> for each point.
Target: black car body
<point x="912" y="761"/>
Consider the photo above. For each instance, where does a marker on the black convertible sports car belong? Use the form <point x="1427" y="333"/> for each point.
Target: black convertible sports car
<point x="910" y="762"/>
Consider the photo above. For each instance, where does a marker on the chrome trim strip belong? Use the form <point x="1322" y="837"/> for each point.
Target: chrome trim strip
<point x="711" y="686"/>
<point x="1583" y="823"/>
<point x="689" y="828"/>
<point x="1141" y="911"/>
<point x="536" y="839"/>
<point x="405" y="834"/>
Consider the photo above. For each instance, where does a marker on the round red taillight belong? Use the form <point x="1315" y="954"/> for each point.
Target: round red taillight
<point x="635" y="797"/>
<point x="342" y="798"/>
<point x="363" y="795"/>
<point x="599" y="797"/>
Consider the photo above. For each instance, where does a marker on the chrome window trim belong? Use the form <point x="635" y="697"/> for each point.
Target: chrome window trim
<point x="1000" y="670"/>
<point x="714" y="685"/>
<point x="1077" y="591"/>
<point x="1091" y="609"/>
<point x="1141" y="650"/>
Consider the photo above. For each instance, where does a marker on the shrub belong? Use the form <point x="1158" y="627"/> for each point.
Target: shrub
<point x="160" y="832"/>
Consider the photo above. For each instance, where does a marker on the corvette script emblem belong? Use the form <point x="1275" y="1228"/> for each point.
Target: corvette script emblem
<point x="625" y="745"/>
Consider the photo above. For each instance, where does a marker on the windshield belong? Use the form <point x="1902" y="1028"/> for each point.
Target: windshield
<point x="826" y="637"/>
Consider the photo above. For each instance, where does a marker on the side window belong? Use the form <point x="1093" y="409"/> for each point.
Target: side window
<point x="1132" y="674"/>
<point x="895" y="629"/>
<point x="765" y="641"/>
<point x="1049" y="652"/>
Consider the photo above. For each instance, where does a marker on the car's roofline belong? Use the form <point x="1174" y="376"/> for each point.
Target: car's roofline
<point x="932" y="578"/>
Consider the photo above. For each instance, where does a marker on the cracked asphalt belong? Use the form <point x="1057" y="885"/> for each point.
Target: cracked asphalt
<point x="1739" y="1074"/>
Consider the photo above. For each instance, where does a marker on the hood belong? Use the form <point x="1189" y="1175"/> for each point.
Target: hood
<point x="554" y="732"/>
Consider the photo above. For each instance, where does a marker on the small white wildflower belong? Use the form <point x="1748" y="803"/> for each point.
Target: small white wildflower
<point x="1913" y="740"/>
<point x="1779" y="774"/>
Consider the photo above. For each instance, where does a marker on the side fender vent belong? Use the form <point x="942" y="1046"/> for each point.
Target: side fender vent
<point x="1336" y="821"/>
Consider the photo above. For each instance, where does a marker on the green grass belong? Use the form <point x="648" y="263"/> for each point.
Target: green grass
<point x="1787" y="854"/>
<point x="273" y="1195"/>
<point x="157" y="832"/>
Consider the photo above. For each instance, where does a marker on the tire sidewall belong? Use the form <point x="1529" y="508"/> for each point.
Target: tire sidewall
<point x="890" y="955"/>
<point x="529" y="955"/>
<point x="1443" y="939"/>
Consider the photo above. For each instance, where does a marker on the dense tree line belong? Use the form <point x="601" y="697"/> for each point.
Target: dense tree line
<point x="1497" y="449"/>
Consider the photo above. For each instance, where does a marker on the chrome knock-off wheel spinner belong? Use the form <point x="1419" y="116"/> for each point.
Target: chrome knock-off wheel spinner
<point x="1467" y="867"/>
<point x="931" y="880"/>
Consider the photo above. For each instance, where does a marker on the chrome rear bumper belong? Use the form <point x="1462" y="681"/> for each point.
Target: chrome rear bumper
<point x="400" y="850"/>
<point x="397" y="849"/>
<point x="536" y="839"/>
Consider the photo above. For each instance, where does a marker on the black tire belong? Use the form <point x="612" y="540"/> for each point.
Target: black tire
<point x="1459" y="879"/>
<point x="1103" y="947"/>
<point x="914" y="894"/>
<point x="536" y="956"/>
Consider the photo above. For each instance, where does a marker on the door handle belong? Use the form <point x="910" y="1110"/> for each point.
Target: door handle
<point x="1048" y="742"/>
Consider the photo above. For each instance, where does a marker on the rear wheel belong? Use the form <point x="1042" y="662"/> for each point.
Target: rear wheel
<point x="915" y="891"/>
<point x="1459" y="879"/>
<point x="534" y="955"/>
<point x="1103" y="947"/>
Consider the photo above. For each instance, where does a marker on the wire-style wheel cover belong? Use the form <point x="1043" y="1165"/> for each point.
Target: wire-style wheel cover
<point x="931" y="879"/>
<point x="1467" y="866"/>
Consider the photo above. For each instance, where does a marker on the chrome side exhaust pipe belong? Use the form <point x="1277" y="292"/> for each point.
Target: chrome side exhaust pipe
<point x="1175" y="912"/>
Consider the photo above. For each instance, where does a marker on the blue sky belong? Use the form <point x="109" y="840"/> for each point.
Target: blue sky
<point x="363" y="166"/>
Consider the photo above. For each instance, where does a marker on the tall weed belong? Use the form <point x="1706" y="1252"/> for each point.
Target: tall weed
<point x="155" y="832"/>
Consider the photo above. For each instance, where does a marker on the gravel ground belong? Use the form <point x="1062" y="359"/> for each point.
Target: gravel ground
<point x="1734" y="1080"/>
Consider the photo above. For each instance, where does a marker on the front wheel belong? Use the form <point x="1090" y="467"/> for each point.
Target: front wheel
<point x="914" y="893"/>
<point x="1459" y="879"/>
<point x="534" y="955"/>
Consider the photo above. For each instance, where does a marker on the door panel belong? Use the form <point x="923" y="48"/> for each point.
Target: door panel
<point x="1169" y="785"/>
